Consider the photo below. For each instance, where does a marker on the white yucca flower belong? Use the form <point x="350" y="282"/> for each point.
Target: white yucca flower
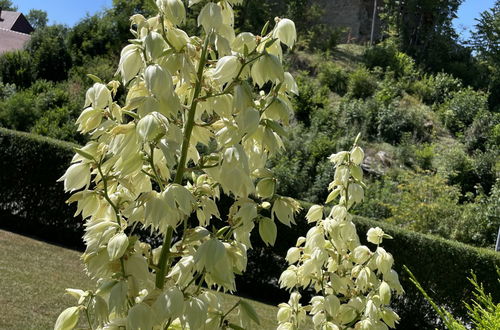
<point x="285" y="32"/>
<point x="226" y="69"/>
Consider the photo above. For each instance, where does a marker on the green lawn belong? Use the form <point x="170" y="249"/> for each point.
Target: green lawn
<point x="34" y="274"/>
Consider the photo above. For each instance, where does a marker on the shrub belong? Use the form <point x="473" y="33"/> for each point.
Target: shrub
<point x="435" y="88"/>
<point x="30" y="199"/>
<point x="425" y="203"/>
<point x="361" y="84"/>
<point x="16" y="68"/>
<point x="462" y="107"/>
<point x="479" y="222"/>
<point x="333" y="76"/>
<point x="380" y="55"/>
<point x="400" y="117"/>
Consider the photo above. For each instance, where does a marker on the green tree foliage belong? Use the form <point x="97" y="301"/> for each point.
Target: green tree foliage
<point x="48" y="50"/>
<point x="16" y="68"/>
<point x="424" y="30"/>
<point x="7" y="5"/>
<point x="486" y="36"/>
<point x="37" y="18"/>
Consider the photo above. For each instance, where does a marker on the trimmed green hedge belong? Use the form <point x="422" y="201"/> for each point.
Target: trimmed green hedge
<point x="31" y="202"/>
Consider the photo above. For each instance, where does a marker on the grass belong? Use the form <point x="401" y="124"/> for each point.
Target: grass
<point x="34" y="275"/>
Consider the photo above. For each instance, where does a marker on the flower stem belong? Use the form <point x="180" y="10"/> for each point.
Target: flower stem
<point x="163" y="264"/>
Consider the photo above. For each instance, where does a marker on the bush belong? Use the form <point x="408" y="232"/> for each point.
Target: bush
<point x="333" y="76"/>
<point x="38" y="106"/>
<point x="380" y="55"/>
<point x="31" y="201"/>
<point x="479" y="223"/>
<point x="425" y="203"/>
<point x="361" y="84"/>
<point x="403" y="116"/>
<point x="16" y="68"/>
<point x="436" y="88"/>
<point x="462" y="107"/>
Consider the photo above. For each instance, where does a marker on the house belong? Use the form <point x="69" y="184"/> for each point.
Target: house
<point x="14" y="30"/>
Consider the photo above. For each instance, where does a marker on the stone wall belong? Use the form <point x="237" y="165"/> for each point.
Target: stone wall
<point x="355" y="15"/>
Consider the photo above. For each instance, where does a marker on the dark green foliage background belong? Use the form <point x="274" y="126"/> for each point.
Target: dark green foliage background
<point x="32" y="202"/>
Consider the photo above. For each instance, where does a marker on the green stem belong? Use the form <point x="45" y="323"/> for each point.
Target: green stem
<point x="153" y="167"/>
<point x="189" y="124"/>
<point x="228" y="312"/>
<point x="188" y="129"/>
<point x="163" y="264"/>
<point x="106" y="196"/>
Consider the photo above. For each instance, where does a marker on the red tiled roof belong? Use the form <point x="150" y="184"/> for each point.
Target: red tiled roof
<point x="11" y="40"/>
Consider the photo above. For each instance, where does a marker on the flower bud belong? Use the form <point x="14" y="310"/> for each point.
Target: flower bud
<point x="98" y="96"/>
<point x="268" y="231"/>
<point x="178" y="38"/>
<point x="140" y="317"/>
<point x="242" y="97"/>
<point x="285" y="32"/>
<point x="293" y="255"/>
<point x="332" y="305"/>
<point x="361" y="254"/>
<point x="290" y="84"/>
<point x="196" y="313"/>
<point x="265" y="188"/>
<point x="148" y="127"/>
<point x="68" y="318"/>
<point x="117" y="246"/>
<point x="384" y="260"/>
<point x="248" y="120"/>
<point x="385" y="293"/>
<point x="284" y="314"/>
<point x="242" y="40"/>
<point x="314" y="214"/>
<point x="357" y="155"/>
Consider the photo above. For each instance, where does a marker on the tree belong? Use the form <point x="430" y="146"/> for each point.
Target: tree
<point x="37" y="18"/>
<point x="7" y="5"/>
<point x="49" y="53"/>
<point x="423" y="29"/>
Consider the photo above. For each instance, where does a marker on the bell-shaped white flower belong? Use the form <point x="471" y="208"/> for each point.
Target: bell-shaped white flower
<point x="173" y="9"/>
<point x="158" y="81"/>
<point x="226" y="69"/>
<point x="242" y="40"/>
<point x="285" y="32"/>
<point x="76" y="177"/>
<point x="155" y="45"/>
<point x="210" y="17"/>
<point x="130" y="62"/>
<point x="375" y="235"/>
<point x="267" y="68"/>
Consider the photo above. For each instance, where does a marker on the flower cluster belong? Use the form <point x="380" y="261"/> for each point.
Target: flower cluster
<point x="201" y="117"/>
<point x="352" y="283"/>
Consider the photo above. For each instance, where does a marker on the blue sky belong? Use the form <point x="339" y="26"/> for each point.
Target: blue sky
<point x="66" y="12"/>
<point x="71" y="11"/>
